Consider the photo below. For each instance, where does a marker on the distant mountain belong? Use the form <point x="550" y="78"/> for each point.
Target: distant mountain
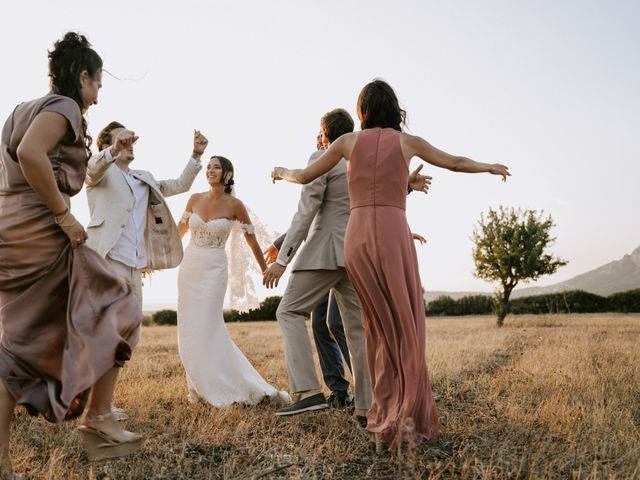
<point x="617" y="276"/>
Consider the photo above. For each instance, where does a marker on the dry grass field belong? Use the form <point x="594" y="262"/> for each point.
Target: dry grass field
<point x="543" y="397"/>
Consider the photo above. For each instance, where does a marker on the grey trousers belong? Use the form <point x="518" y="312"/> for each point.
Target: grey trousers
<point x="304" y="290"/>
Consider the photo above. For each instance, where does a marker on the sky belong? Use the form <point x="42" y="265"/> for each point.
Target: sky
<point x="548" y="88"/>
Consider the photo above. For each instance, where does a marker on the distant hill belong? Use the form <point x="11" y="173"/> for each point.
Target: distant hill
<point x="617" y="276"/>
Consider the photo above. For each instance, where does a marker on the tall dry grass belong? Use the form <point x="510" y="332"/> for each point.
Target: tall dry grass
<point x="543" y="397"/>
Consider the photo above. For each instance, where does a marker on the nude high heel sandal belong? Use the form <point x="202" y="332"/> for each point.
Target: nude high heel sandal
<point x="101" y="445"/>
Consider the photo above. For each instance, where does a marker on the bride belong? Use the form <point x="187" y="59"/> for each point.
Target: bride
<point x="217" y="371"/>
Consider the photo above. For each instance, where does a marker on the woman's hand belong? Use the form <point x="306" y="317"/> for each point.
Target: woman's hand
<point x="499" y="169"/>
<point x="276" y="174"/>
<point x="419" y="238"/>
<point x="200" y="143"/>
<point x="72" y="229"/>
<point x="419" y="183"/>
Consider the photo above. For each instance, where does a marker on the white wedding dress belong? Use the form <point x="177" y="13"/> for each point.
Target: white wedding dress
<point x="217" y="371"/>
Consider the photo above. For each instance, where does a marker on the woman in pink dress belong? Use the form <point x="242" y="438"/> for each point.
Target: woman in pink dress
<point x="381" y="259"/>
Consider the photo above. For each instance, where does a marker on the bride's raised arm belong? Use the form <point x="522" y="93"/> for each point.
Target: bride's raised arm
<point x="242" y="216"/>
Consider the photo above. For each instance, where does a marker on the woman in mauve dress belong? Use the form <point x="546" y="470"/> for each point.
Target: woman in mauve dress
<point x="381" y="260"/>
<point x="67" y="322"/>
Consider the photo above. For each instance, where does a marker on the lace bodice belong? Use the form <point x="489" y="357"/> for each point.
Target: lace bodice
<point x="220" y="233"/>
<point x="213" y="233"/>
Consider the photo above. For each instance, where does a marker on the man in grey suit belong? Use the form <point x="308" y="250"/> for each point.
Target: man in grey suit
<point x="318" y="268"/>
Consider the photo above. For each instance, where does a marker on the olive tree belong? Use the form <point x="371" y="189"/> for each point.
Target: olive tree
<point x="510" y="247"/>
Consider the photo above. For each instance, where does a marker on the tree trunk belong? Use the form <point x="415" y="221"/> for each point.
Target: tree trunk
<point x="503" y="305"/>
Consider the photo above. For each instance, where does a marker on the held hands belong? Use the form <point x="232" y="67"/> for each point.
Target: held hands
<point x="124" y="140"/>
<point x="419" y="183"/>
<point x="270" y="254"/>
<point x="72" y="229"/>
<point x="272" y="275"/>
<point x="200" y="143"/>
<point x="499" y="169"/>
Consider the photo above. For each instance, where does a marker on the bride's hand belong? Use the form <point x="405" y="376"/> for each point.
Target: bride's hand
<point x="272" y="275"/>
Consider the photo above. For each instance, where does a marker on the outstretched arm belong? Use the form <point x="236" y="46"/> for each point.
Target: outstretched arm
<point x="337" y="150"/>
<point x="241" y="215"/>
<point x="417" y="146"/>
<point x="99" y="164"/>
<point x="185" y="180"/>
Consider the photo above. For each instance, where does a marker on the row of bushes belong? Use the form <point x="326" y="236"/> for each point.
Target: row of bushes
<point x="573" y="301"/>
<point x="266" y="311"/>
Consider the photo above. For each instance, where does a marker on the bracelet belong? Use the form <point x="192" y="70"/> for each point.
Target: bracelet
<point x="61" y="218"/>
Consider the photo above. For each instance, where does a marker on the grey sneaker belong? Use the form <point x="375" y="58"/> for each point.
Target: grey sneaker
<point x="119" y="414"/>
<point x="314" y="402"/>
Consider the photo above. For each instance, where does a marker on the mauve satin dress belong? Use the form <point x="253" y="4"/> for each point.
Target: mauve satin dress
<point x="65" y="317"/>
<point x="382" y="264"/>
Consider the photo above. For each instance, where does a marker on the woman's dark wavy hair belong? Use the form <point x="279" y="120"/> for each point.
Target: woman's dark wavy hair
<point x="69" y="57"/>
<point x="227" y="167"/>
<point x="378" y="106"/>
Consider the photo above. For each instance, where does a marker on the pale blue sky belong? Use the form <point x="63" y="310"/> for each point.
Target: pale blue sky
<point x="548" y="88"/>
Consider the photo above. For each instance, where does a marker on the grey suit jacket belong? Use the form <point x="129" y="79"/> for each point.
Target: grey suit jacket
<point x="321" y="219"/>
<point x="111" y="202"/>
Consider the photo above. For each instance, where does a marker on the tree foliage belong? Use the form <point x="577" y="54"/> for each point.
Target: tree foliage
<point x="165" y="317"/>
<point x="467" y="305"/>
<point x="266" y="311"/>
<point x="510" y="247"/>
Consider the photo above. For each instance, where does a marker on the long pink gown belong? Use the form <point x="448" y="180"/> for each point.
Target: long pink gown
<point x="381" y="262"/>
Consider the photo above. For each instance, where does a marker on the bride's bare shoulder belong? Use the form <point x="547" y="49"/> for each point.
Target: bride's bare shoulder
<point x="236" y="203"/>
<point x="194" y="198"/>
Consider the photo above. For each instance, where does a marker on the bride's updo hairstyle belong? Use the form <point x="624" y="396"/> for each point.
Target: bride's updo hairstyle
<point x="227" y="167"/>
<point x="378" y="106"/>
<point x="69" y="57"/>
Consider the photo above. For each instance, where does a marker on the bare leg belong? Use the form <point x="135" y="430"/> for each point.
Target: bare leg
<point x="7" y="405"/>
<point x="102" y="434"/>
<point x="102" y="393"/>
